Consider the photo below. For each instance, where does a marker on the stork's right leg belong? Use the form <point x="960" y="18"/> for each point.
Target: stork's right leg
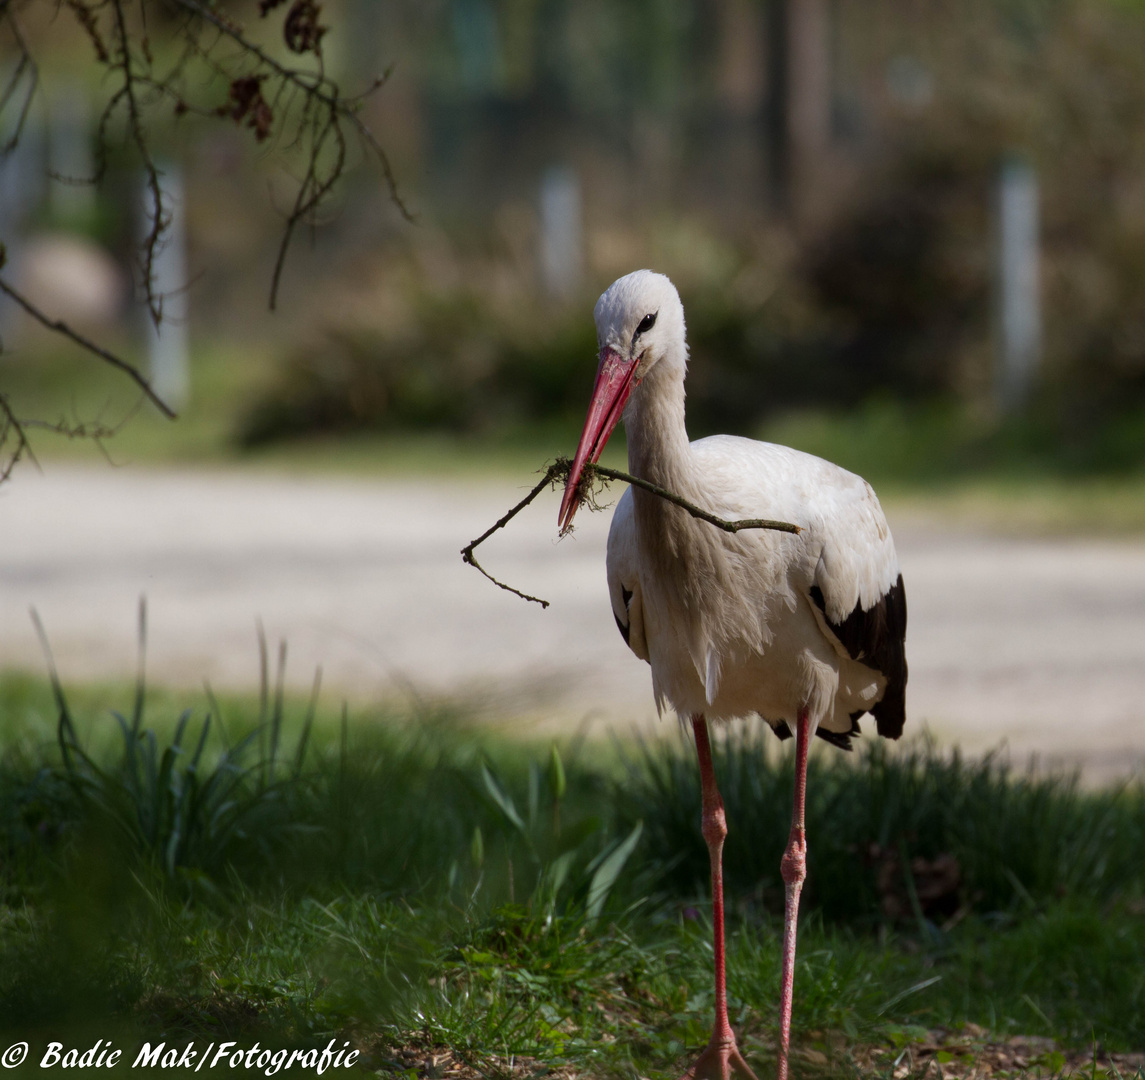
<point x="721" y="1059"/>
<point x="793" y="868"/>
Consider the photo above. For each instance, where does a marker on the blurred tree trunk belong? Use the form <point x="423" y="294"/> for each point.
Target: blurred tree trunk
<point x="799" y="117"/>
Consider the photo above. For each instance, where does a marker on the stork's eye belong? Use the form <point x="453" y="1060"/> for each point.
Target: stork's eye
<point x="646" y="323"/>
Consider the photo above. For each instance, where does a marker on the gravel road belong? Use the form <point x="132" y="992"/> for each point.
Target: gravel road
<point x="1038" y="642"/>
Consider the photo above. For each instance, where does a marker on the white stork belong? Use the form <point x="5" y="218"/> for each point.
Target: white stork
<point x="805" y="631"/>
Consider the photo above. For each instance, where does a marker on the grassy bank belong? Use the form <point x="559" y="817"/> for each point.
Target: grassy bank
<point x="429" y="894"/>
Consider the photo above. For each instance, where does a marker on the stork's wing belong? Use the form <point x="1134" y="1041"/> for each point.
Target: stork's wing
<point x="624" y="578"/>
<point x="876" y="637"/>
<point x="848" y="567"/>
<point x="859" y="590"/>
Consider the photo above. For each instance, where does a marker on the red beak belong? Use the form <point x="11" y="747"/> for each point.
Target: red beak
<point x="609" y="396"/>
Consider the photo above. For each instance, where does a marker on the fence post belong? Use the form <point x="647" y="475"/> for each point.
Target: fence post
<point x="561" y="231"/>
<point x="167" y="349"/>
<point x="1019" y="315"/>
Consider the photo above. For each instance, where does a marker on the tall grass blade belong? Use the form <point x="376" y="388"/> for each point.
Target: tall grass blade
<point x="206" y="729"/>
<point x="65" y="728"/>
<point x="141" y="675"/>
<point x="903" y="995"/>
<point x="608" y="871"/>
<point x="502" y="798"/>
<point x="263" y="673"/>
<point x="307" y="723"/>
<point x="277" y="715"/>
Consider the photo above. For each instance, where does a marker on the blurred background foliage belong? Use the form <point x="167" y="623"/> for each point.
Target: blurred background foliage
<point x="820" y="180"/>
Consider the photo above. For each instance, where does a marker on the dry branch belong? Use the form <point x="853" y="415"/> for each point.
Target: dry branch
<point x="303" y="107"/>
<point x="58" y="326"/>
<point x="324" y="113"/>
<point x="25" y="64"/>
<point x="322" y="121"/>
<point x="13" y="439"/>
<point x="593" y="471"/>
<point x="561" y="469"/>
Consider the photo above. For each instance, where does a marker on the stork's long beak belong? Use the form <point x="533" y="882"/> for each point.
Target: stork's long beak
<point x="609" y="396"/>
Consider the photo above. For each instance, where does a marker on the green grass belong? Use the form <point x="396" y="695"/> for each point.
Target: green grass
<point x="417" y="888"/>
<point x="1017" y="838"/>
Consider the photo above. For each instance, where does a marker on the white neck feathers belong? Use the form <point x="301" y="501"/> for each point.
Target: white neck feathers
<point x="658" y="448"/>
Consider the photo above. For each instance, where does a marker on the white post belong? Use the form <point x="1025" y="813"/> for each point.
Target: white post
<point x="1019" y="303"/>
<point x="167" y="349"/>
<point x="561" y="231"/>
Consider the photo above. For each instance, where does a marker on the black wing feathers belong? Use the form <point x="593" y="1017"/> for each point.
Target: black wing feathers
<point x="876" y="637"/>
<point x="841" y="739"/>
<point x="625" y="631"/>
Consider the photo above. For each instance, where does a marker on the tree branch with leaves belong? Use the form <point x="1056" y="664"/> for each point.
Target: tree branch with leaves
<point x="164" y="59"/>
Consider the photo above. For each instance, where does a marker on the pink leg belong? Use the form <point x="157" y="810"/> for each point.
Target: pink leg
<point x="794" y="870"/>
<point x="721" y="1059"/>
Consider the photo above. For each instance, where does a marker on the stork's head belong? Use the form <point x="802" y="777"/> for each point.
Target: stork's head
<point x="639" y="325"/>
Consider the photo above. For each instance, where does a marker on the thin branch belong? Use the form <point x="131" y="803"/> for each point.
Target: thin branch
<point x="26" y="63"/>
<point x="310" y="194"/>
<point x="592" y="471"/>
<point x="561" y="470"/>
<point x="105" y="118"/>
<point x="58" y="326"/>
<point x="551" y="475"/>
<point x="88" y="20"/>
<point x="304" y="80"/>
<point x="383" y="158"/>
<point x="312" y="85"/>
<point x="326" y="114"/>
<point x="96" y="430"/>
<point x="318" y="89"/>
<point x="11" y="429"/>
<point x="159" y="222"/>
<point x="316" y="119"/>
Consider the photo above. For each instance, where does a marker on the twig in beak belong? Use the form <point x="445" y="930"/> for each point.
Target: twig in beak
<point x="560" y="470"/>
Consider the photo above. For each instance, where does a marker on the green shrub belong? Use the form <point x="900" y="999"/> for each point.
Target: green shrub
<point x="1017" y="838"/>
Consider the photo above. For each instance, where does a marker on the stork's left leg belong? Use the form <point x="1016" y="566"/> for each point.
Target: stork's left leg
<point x="721" y="1059"/>
<point x="794" y="869"/>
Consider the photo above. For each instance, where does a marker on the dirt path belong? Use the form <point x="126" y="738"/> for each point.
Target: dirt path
<point x="1039" y="642"/>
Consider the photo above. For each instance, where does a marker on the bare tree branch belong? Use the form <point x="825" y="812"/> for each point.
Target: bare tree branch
<point x="58" y="326"/>
<point x="551" y="475"/>
<point x="593" y="471"/>
<point x="318" y="180"/>
<point x="24" y="64"/>
<point x="12" y="434"/>
<point x="303" y="107"/>
<point x="87" y="19"/>
<point x="325" y="116"/>
<point x="159" y="222"/>
<point x="310" y="194"/>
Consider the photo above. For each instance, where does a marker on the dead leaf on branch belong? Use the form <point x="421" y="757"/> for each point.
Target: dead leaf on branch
<point x="301" y="30"/>
<point x="245" y="101"/>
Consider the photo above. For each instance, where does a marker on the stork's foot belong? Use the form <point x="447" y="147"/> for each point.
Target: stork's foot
<point x="720" y="1060"/>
